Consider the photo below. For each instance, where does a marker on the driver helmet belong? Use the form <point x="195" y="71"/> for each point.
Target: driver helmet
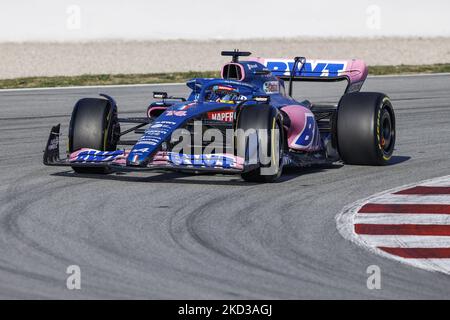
<point x="225" y="94"/>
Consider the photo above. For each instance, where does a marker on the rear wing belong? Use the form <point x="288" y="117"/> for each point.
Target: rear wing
<point x="300" y="69"/>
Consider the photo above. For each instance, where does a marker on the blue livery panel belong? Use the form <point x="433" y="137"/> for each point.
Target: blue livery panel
<point x="316" y="68"/>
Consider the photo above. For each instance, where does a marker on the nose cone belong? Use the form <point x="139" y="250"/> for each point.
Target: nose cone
<point x="137" y="159"/>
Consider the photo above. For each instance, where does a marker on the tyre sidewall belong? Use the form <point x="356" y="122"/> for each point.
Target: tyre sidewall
<point x="92" y="125"/>
<point x="260" y="117"/>
<point x="359" y="128"/>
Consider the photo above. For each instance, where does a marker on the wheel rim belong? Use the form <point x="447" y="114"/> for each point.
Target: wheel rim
<point x="274" y="165"/>
<point x="387" y="132"/>
<point x="277" y="148"/>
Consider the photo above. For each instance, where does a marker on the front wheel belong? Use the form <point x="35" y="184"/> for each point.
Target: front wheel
<point x="94" y="124"/>
<point x="263" y="153"/>
<point x="365" y="128"/>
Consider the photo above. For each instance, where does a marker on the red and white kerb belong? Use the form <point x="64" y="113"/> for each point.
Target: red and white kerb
<point x="410" y="224"/>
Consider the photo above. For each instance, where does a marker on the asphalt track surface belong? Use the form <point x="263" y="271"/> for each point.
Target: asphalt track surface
<point x="170" y="235"/>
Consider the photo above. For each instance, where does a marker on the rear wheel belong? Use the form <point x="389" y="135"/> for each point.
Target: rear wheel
<point x="365" y="128"/>
<point x="265" y="120"/>
<point x="93" y="125"/>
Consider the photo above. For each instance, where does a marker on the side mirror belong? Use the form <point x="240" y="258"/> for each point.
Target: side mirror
<point x="264" y="99"/>
<point x="160" y="95"/>
<point x="261" y="72"/>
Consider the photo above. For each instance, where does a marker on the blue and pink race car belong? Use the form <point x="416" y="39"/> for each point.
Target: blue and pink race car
<point x="245" y="122"/>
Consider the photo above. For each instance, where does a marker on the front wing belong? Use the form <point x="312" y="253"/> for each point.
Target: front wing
<point x="117" y="160"/>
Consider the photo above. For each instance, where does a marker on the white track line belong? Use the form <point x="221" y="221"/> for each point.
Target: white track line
<point x="405" y="241"/>
<point x="438" y="183"/>
<point x="95" y="87"/>
<point x="401" y="218"/>
<point x="433" y="265"/>
<point x="412" y="199"/>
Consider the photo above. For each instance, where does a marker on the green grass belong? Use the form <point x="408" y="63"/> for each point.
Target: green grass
<point x="405" y="69"/>
<point x="117" y="79"/>
<point x="103" y="79"/>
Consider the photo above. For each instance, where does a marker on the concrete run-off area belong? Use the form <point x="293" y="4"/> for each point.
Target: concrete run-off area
<point x="113" y="57"/>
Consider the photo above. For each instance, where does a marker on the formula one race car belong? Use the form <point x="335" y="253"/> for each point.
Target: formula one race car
<point x="242" y="123"/>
